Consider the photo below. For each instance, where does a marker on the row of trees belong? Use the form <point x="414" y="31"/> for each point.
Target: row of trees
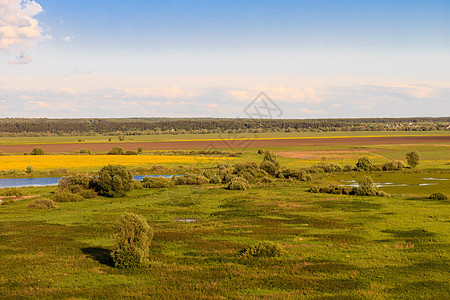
<point x="139" y="126"/>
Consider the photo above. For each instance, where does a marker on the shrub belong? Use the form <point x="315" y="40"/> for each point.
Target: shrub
<point x="64" y="196"/>
<point x="265" y="249"/>
<point x="270" y="167"/>
<point x="116" y="150"/>
<point x="140" y="150"/>
<point x="413" y="158"/>
<point x="238" y="183"/>
<point x="130" y="152"/>
<point x="438" y="196"/>
<point x="190" y="179"/>
<point x="394" y="165"/>
<point x="157" y="182"/>
<point x="12" y="192"/>
<point x="266" y="180"/>
<point x="332" y="167"/>
<point x="364" y="163"/>
<point x="30" y="169"/>
<point x="215" y="179"/>
<point x="42" y="204"/>
<point x="132" y="238"/>
<point x="114" y="181"/>
<point x="348" y="168"/>
<point x="84" y="151"/>
<point x="37" y="151"/>
<point x="87" y="194"/>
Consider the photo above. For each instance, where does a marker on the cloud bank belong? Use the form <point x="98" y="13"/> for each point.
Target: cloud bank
<point x="19" y="30"/>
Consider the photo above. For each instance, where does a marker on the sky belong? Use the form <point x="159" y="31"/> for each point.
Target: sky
<point x="212" y="58"/>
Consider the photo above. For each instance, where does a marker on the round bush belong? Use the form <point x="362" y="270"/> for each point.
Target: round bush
<point x="133" y="237"/>
<point x="115" y="181"/>
<point x="438" y="196"/>
<point x="64" y="196"/>
<point x="265" y="249"/>
<point x="42" y="204"/>
<point x="37" y="151"/>
<point x="238" y="183"/>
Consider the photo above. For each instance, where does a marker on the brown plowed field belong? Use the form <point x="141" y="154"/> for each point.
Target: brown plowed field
<point x="228" y="144"/>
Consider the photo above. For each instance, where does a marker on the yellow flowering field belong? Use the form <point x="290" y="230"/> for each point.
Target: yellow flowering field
<point x="40" y="162"/>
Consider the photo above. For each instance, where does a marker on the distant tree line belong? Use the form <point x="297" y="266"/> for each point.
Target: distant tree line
<point x="154" y="126"/>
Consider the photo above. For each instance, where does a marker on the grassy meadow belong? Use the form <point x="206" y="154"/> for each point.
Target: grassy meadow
<point x="334" y="246"/>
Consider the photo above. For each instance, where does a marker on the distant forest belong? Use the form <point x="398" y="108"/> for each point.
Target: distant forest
<point x="154" y="126"/>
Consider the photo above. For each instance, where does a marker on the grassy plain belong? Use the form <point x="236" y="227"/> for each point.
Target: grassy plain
<point x="335" y="246"/>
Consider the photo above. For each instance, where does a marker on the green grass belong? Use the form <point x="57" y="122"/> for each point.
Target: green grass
<point x="335" y="246"/>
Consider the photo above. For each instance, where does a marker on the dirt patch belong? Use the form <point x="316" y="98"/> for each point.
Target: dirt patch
<point x="229" y="144"/>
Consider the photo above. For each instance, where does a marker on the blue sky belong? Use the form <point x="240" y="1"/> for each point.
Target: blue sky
<point x="315" y="59"/>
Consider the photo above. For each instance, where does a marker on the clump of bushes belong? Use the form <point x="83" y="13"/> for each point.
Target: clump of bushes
<point x="394" y="165"/>
<point x="79" y="184"/>
<point x="157" y="182"/>
<point x="265" y="249"/>
<point x="190" y="179"/>
<point x="132" y="237"/>
<point x="116" y="150"/>
<point x="438" y="196"/>
<point x="12" y="192"/>
<point x="66" y="196"/>
<point x="83" y="151"/>
<point x="42" y="204"/>
<point x="239" y="183"/>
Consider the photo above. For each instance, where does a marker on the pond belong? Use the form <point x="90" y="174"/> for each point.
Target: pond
<point x="45" y="181"/>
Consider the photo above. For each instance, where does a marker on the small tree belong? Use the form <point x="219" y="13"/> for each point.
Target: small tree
<point x="133" y="237"/>
<point x="116" y="150"/>
<point x="114" y="181"/>
<point x="413" y="158"/>
<point x="140" y="150"/>
<point x="30" y="169"/>
<point x="37" y="151"/>
<point x="364" y="163"/>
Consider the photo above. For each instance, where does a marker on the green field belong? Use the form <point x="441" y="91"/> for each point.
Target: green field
<point x="335" y="246"/>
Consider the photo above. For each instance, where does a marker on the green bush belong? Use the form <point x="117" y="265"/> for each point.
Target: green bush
<point x="270" y="167"/>
<point x="364" y="163"/>
<point x="438" y="196"/>
<point x="238" y="183"/>
<point x="42" y="204"/>
<point x="413" y="158"/>
<point x="30" y="169"/>
<point x="87" y="194"/>
<point x="332" y="167"/>
<point x="116" y="150"/>
<point x="64" y="196"/>
<point x="190" y="179"/>
<point x="114" y="181"/>
<point x="84" y="151"/>
<point x="394" y="165"/>
<point x="132" y="238"/>
<point x="157" y="182"/>
<point x="37" y="151"/>
<point x="265" y="249"/>
<point x="12" y="192"/>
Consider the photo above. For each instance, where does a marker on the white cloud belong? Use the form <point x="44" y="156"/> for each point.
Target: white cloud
<point x="279" y="93"/>
<point x="68" y="38"/>
<point x="19" y="30"/>
<point x="312" y="111"/>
